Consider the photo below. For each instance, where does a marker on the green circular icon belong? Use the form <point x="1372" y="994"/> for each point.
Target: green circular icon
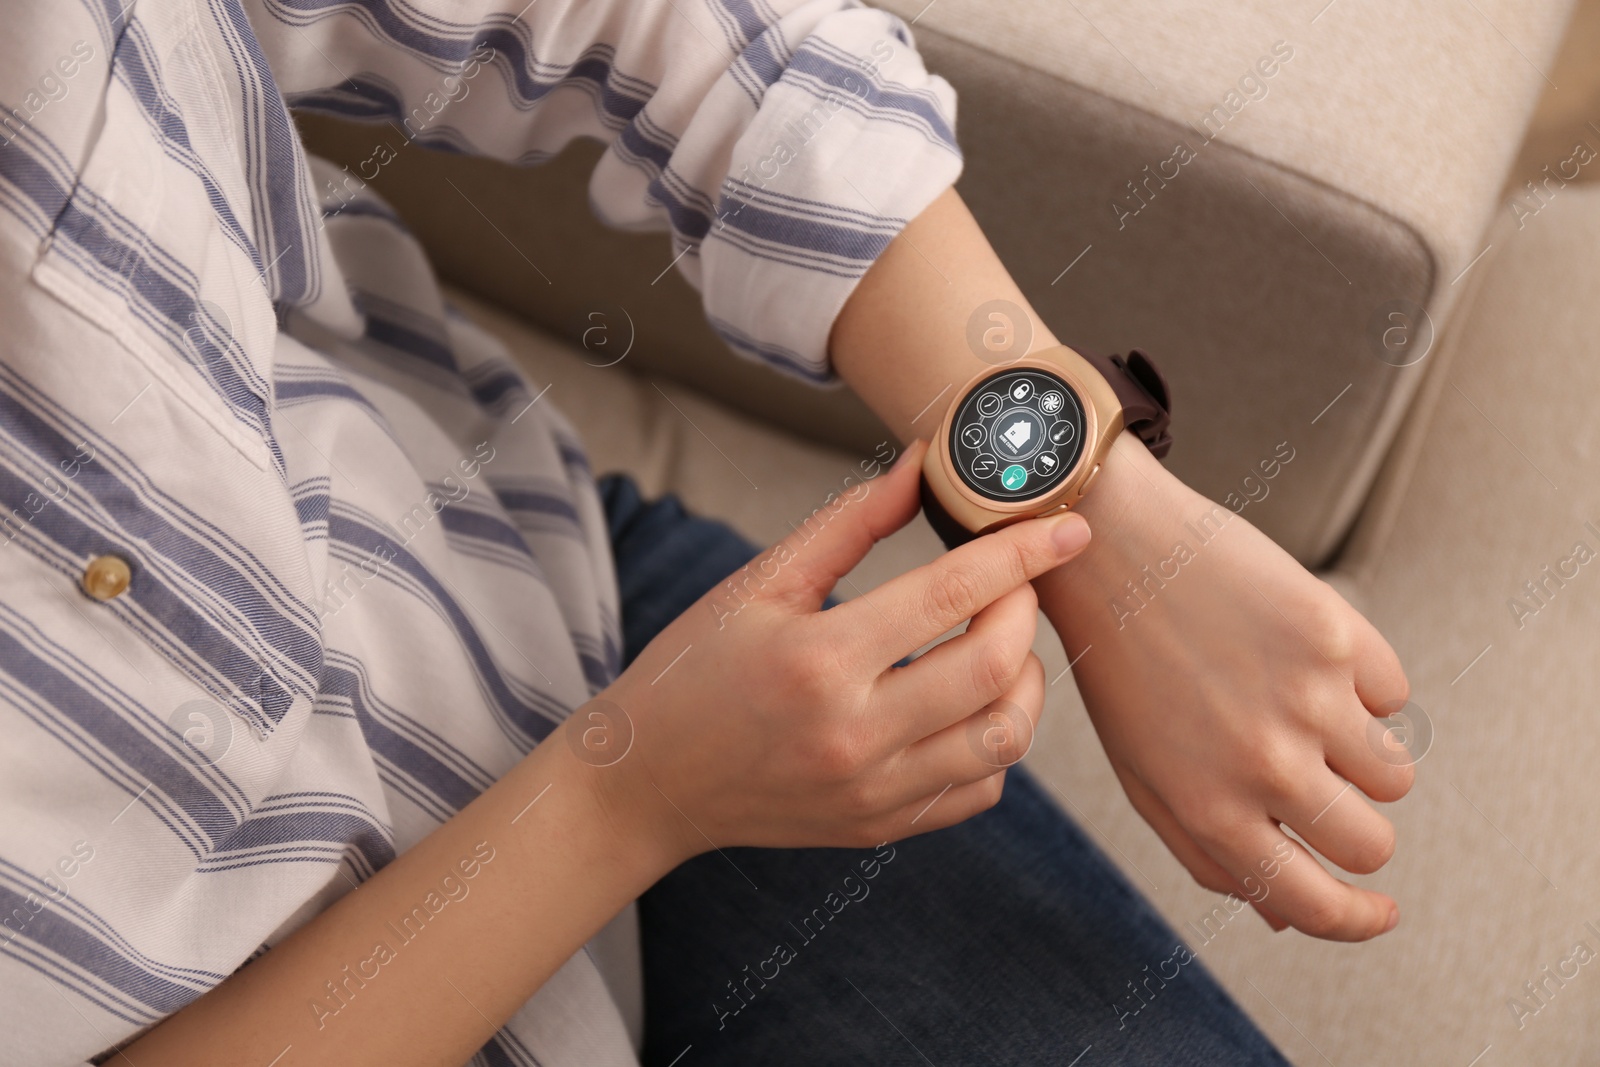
<point x="1014" y="477"/>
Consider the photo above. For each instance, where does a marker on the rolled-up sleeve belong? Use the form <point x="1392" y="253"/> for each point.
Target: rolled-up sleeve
<point x="784" y="145"/>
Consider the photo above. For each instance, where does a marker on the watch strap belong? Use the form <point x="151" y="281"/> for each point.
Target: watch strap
<point x="1142" y="391"/>
<point x="951" y="532"/>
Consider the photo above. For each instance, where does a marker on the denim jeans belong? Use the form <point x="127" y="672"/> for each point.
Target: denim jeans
<point x="1007" y="940"/>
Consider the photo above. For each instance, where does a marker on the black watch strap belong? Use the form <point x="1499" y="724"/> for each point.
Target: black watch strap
<point x="1146" y="404"/>
<point x="951" y="532"/>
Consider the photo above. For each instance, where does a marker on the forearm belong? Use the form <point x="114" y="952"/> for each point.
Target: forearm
<point x="902" y="343"/>
<point x="901" y="339"/>
<point x="430" y="986"/>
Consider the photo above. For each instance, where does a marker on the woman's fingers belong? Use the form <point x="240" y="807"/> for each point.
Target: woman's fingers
<point x="1255" y="860"/>
<point x="944" y="807"/>
<point x="806" y="565"/>
<point x="974" y="747"/>
<point x="1363" y="751"/>
<point x="1205" y="870"/>
<point x="1332" y="817"/>
<point x="1300" y="889"/>
<point x="907" y="612"/>
<point x="1380" y="680"/>
<point x="953" y="679"/>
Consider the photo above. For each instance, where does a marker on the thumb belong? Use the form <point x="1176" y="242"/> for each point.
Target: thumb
<point x="826" y="544"/>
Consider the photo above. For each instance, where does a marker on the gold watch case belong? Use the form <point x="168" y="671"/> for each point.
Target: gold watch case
<point x="1103" y="422"/>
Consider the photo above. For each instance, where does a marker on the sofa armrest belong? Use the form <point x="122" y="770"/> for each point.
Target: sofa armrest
<point x="1260" y="194"/>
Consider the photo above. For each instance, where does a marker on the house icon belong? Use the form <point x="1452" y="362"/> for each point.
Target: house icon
<point x="1018" y="434"/>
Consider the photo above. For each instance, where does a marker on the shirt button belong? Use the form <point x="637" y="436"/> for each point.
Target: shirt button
<point x="106" y="577"/>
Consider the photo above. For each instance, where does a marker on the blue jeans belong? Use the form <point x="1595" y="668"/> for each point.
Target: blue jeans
<point x="1007" y="940"/>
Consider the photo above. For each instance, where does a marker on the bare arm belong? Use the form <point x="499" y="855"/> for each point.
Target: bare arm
<point x="542" y="885"/>
<point x="901" y="338"/>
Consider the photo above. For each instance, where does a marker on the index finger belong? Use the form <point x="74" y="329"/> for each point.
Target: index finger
<point x="905" y="613"/>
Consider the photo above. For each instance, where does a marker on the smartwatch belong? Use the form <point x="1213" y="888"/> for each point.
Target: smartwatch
<point x="1028" y="438"/>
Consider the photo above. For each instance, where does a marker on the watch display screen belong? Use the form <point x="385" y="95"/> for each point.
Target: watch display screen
<point x="1016" y="434"/>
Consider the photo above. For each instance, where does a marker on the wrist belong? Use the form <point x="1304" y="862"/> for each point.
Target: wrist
<point x="599" y="752"/>
<point x="1134" y="505"/>
<point x="1132" y="489"/>
<point x="633" y="826"/>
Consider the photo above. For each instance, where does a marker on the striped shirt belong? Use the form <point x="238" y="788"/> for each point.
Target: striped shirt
<point x="296" y="562"/>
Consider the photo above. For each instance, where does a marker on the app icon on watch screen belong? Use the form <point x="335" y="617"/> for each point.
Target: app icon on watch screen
<point x="1018" y="434"/>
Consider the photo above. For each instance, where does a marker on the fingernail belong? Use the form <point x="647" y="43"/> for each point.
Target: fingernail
<point x="1394" y="918"/>
<point x="905" y="454"/>
<point x="1069" y="534"/>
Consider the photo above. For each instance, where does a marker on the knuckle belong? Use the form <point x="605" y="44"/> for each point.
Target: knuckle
<point x="1215" y="826"/>
<point x="1324" y="917"/>
<point x="1332" y="630"/>
<point x="996" y="668"/>
<point x="1021" y="558"/>
<point x="839" y="756"/>
<point x="954" y="594"/>
<point x="795" y="667"/>
<point x="1390" y="782"/>
<point x="810" y="666"/>
<point x="1373" y="850"/>
<point x="860" y="796"/>
<point x="1278" y="770"/>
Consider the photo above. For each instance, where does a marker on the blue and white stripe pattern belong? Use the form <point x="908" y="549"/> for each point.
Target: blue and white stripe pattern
<point x="370" y="568"/>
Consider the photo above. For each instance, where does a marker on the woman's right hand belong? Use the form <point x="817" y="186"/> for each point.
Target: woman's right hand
<point x="761" y="721"/>
<point x="757" y="718"/>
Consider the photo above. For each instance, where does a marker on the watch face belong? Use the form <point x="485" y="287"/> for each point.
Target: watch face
<point x="1016" y="434"/>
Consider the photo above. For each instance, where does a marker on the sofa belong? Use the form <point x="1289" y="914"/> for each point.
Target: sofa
<point x="1302" y="208"/>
